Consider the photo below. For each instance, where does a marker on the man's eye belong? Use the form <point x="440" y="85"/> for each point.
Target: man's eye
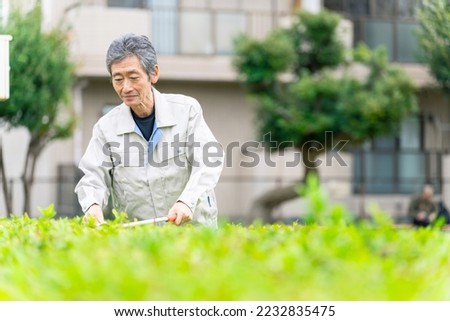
<point x="134" y="78"/>
<point x="118" y="79"/>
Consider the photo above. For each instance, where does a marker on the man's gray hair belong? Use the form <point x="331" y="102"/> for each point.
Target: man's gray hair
<point x="132" y="45"/>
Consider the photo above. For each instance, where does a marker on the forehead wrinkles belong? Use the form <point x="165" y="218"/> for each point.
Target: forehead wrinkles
<point x="127" y="65"/>
<point x="126" y="72"/>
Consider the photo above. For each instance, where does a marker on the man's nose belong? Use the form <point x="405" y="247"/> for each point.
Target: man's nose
<point x="127" y="85"/>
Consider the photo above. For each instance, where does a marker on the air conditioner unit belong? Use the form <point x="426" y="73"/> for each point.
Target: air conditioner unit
<point x="4" y="66"/>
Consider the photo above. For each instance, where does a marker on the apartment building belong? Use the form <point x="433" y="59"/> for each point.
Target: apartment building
<point x="193" y="39"/>
<point x="400" y="165"/>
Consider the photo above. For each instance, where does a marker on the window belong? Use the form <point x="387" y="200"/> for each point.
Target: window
<point x="165" y="25"/>
<point x="379" y="33"/>
<point x="408" y="8"/>
<point x="334" y="5"/>
<point x="396" y="164"/>
<point x="228" y="26"/>
<point x="382" y="8"/>
<point x="357" y="7"/>
<point x="196" y="33"/>
<point x="408" y="47"/>
<point x="203" y="27"/>
<point x="389" y="23"/>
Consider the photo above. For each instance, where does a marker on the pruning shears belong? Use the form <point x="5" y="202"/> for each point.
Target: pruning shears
<point x="149" y="221"/>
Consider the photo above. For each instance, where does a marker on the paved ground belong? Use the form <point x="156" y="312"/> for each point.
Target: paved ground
<point x="445" y="228"/>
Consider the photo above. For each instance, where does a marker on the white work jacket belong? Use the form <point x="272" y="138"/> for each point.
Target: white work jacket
<point x="182" y="161"/>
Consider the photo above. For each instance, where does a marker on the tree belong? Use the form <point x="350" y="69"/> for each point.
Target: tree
<point x="41" y="75"/>
<point x="434" y="39"/>
<point x="319" y="95"/>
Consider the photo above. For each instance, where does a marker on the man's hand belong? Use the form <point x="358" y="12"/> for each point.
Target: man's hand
<point x="180" y="213"/>
<point x="432" y="217"/>
<point x="96" y="212"/>
<point x="421" y="216"/>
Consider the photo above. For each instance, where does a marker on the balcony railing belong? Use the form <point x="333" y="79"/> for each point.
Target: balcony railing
<point x="181" y="28"/>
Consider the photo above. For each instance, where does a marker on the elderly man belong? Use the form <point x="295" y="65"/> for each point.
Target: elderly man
<point x="154" y="154"/>
<point x="422" y="208"/>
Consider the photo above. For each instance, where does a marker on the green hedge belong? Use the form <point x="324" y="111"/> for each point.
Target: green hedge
<point x="48" y="259"/>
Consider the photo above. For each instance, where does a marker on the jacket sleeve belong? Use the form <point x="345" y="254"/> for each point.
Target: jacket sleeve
<point x="205" y="156"/>
<point x="96" y="164"/>
<point x="413" y="208"/>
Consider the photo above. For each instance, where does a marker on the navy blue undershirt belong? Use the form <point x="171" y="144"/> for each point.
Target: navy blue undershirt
<point x="145" y="124"/>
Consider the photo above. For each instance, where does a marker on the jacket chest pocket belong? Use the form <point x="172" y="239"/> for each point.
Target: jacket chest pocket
<point x="131" y="170"/>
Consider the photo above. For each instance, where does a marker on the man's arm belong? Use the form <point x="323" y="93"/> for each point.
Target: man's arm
<point x="205" y="157"/>
<point x="93" y="188"/>
<point x="413" y="208"/>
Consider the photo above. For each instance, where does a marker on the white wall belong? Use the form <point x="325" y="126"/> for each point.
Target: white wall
<point x="4" y="66"/>
<point x="45" y="189"/>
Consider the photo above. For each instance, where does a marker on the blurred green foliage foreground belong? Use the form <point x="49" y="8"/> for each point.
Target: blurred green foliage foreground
<point x="328" y="258"/>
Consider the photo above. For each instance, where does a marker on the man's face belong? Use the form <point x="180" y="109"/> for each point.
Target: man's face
<point x="427" y="194"/>
<point x="133" y="85"/>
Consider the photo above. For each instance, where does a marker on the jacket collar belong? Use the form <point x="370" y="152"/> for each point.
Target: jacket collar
<point x="164" y="115"/>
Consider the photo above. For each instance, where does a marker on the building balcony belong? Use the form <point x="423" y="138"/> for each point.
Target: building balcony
<point x="193" y="42"/>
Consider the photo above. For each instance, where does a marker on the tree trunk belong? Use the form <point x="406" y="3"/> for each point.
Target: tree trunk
<point x="35" y="147"/>
<point x="264" y="205"/>
<point x="25" y="184"/>
<point x="5" y="185"/>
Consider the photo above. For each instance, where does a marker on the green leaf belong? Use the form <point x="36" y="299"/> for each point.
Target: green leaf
<point x="48" y="212"/>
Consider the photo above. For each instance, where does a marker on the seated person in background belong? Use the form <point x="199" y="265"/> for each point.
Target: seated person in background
<point x="422" y="208"/>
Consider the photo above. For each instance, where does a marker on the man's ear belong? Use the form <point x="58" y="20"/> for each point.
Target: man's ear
<point x="155" y="74"/>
